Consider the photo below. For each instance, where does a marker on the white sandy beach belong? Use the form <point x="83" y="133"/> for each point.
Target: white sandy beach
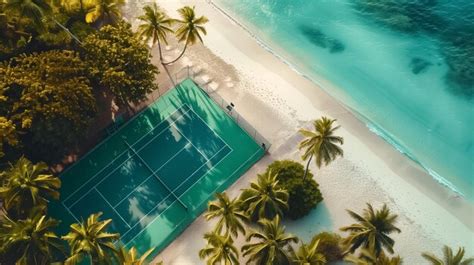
<point x="278" y="101"/>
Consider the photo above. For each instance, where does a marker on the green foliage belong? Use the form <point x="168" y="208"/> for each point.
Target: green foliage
<point x="155" y="27"/>
<point x="220" y="249"/>
<point x="29" y="241"/>
<point x="229" y="213"/>
<point x="91" y="239"/>
<point x="304" y="194"/>
<point x="372" y="230"/>
<point x="117" y="60"/>
<point x="131" y="256"/>
<point x="26" y="186"/>
<point x="330" y="245"/>
<point x="107" y="11"/>
<point x="50" y="101"/>
<point x="449" y="258"/>
<point x="308" y="254"/>
<point x="8" y="134"/>
<point x="190" y="28"/>
<point x="264" y="198"/>
<point x="321" y="143"/>
<point x="271" y="245"/>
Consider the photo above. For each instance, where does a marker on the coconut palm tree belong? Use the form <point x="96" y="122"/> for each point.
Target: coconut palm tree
<point x="190" y="28"/>
<point x="155" y="27"/>
<point x="220" y="249"/>
<point x="229" y="213"/>
<point x="368" y="257"/>
<point x="449" y="258"/>
<point x="29" y="241"/>
<point x="272" y="246"/>
<point x="321" y="143"/>
<point x="91" y="239"/>
<point x="308" y="255"/>
<point x="106" y="11"/>
<point x="131" y="257"/>
<point x="26" y="185"/>
<point x="264" y="198"/>
<point x="372" y="230"/>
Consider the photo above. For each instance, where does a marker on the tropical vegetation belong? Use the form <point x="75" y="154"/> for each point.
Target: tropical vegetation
<point x="330" y="245"/>
<point x="308" y="254"/>
<point x="304" y="194"/>
<point x="264" y="198"/>
<point x="322" y="143"/>
<point x="220" y="249"/>
<point x="449" y="258"/>
<point x="372" y="230"/>
<point x="272" y="246"/>
<point x="229" y="214"/>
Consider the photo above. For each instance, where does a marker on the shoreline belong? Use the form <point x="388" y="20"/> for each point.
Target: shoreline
<point x="373" y="127"/>
<point x="445" y="187"/>
<point x="241" y="71"/>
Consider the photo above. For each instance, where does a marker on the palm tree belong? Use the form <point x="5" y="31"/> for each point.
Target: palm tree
<point x="321" y="143"/>
<point x="449" y="258"/>
<point x="91" y="239"/>
<point x="131" y="257"/>
<point x="229" y="213"/>
<point x="26" y="185"/>
<point x="107" y="11"/>
<point x="264" y="198"/>
<point x="372" y="230"/>
<point x="155" y="27"/>
<point x="29" y="241"/>
<point x="35" y="10"/>
<point x="308" y="255"/>
<point x="190" y="29"/>
<point x="368" y="257"/>
<point x="220" y="249"/>
<point x="272" y="246"/>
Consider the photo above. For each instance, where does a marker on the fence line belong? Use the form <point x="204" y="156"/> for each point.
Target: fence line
<point x="187" y="72"/>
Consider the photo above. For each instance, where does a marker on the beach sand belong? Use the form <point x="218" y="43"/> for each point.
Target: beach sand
<point x="278" y="101"/>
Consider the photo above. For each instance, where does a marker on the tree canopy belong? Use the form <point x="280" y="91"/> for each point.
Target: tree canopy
<point x="117" y="60"/>
<point x="48" y="100"/>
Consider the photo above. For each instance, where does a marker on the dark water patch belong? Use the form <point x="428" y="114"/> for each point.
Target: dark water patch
<point x="406" y="16"/>
<point x="317" y="37"/>
<point x="419" y="65"/>
<point x="454" y="29"/>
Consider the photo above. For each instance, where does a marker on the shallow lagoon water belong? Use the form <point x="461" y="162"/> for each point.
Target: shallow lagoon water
<point x="405" y="67"/>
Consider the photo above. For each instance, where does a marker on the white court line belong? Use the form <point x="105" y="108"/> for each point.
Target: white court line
<point x="115" y="169"/>
<point x="154" y="219"/>
<point x="74" y="216"/>
<point x="209" y="126"/>
<point x="151" y="175"/>
<point x="212" y="168"/>
<point x="182" y="134"/>
<point x="101" y="195"/>
<point x="203" y="164"/>
<point x="241" y="165"/>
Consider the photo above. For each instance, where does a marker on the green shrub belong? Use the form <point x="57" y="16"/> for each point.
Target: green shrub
<point x="330" y="246"/>
<point x="304" y="195"/>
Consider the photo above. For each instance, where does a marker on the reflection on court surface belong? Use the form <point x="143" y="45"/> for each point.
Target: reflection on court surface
<point x="156" y="174"/>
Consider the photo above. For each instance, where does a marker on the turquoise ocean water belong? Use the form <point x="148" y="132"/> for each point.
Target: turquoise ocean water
<point x="406" y="67"/>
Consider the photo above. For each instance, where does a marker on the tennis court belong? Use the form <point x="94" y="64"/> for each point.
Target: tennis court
<point x="154" y="176"/>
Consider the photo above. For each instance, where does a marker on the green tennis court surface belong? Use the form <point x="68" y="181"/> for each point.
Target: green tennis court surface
<point x="154" y="176"/>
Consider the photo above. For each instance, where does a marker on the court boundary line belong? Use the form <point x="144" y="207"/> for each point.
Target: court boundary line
<point x="207" y="124"/>
<point x="135" y="116"/>
<point x="123" y="152"/>
<point x="110" y="205"/>
<point x="156" y="176"/>
<point x="154" y="219"/>
<point x="207" y="161"/>
<point x="70" y="212"/>
<point x="151" y="175"/>
<point x="182" y="134"/>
